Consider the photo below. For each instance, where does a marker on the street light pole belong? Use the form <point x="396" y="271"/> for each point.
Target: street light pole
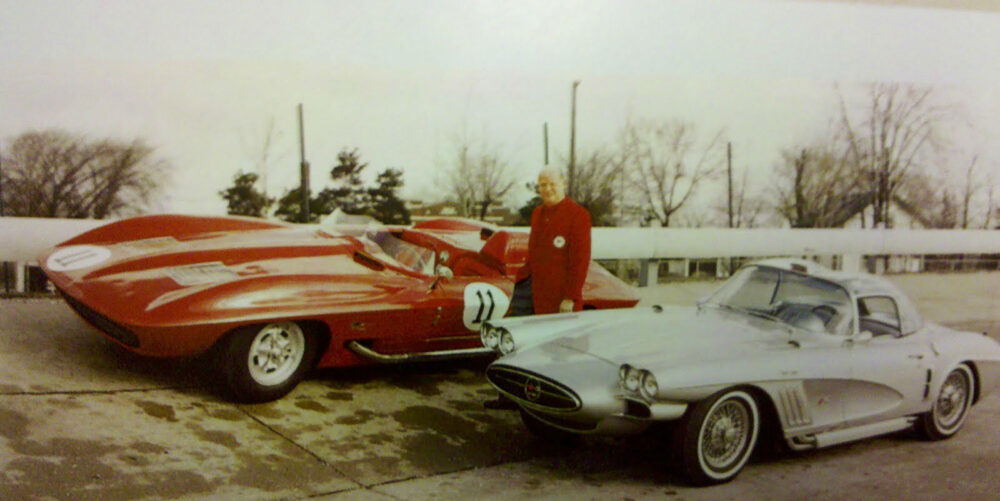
<point x="729" y="175"/>
<point x="572" y="141"/>
<point x="6" y="272"/>
<point x="303" y="173"/>
<point x="545" y="139"/>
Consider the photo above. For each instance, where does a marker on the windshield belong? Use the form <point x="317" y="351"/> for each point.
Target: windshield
<point x="384" y="245"/>
<point x="798" y="300"/>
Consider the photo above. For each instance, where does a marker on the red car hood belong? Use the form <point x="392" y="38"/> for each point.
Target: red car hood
<point x="215" y="276"/>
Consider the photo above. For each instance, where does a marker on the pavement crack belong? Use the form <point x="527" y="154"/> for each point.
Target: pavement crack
<point x="361" y="488"/>
<point x="301" y="447"/>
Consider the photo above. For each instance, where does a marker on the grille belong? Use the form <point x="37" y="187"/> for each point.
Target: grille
<point x="532" y="389"/>
<point x="112" y="329"/>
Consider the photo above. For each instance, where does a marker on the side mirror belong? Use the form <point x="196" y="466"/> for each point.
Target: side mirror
<point x="445" y="272"/>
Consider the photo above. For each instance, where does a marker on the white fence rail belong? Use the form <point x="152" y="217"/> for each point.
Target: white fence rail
<point x="22" y="239"/>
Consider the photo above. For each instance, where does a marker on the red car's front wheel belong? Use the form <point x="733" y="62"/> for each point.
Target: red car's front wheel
<point x="264" y="362"/>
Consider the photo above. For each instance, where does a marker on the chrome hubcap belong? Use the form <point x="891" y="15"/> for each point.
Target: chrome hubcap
<point x="276" y="352"/>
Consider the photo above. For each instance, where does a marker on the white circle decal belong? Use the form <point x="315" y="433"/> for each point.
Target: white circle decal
<point x="559" y="242"/>
<point x="77" y="257"/>
<point x="483" y="302"/>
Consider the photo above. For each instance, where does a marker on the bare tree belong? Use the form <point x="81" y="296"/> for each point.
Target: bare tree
<point x="666" y="164"/>
<point x="596" y="185"/>
<point x="816" y="188"/>
<point x="991" y="202"/>
<point x="478" y="178"/>
<point x="972" y="186"/>
<point x="56" y="174"/>
<point x="896" y="135"/>
<point x="261" y="150"/>
<point x="748" y="208"/>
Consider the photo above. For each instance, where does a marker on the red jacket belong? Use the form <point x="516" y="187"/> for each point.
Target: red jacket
<point x="558" y="255"/>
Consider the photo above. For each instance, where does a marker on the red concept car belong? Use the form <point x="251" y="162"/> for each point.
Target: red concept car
<point x="271" y="300"/>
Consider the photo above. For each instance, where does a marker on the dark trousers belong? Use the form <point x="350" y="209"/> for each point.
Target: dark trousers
<point x="522" y="303"/>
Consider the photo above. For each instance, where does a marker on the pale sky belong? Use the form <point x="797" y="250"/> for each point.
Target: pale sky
<point x="401" y="81"/>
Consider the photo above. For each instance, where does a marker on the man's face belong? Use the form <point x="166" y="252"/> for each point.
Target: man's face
<point x="551" y="188"/>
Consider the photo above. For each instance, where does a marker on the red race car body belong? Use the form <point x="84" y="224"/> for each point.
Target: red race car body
<point x="274" y="299"/>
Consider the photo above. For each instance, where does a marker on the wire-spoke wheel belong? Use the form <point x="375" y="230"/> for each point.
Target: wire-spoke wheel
<point x="717" y="437"/>
<point x="951" y="406"/>
<point x="265" y="362"/>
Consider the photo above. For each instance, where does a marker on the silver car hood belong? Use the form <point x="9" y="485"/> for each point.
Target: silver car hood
<point x="648" y="338"/>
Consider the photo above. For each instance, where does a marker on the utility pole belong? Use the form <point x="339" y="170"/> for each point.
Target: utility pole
<point x="303" y="173"/>
<point x="1" y="187"/>
<point x="545" y="139"/>
<point x="729" y="174"/>
<point x="572" y="142"/>
<point x="6" y="275"/>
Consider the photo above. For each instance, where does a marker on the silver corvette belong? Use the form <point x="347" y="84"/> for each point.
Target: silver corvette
<point x="816" y="356"/>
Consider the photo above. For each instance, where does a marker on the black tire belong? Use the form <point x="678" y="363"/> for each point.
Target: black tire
<point x="548" y="432"/>
<point x="261" y="363"/>
<point x="951" y="406"/>
<point x="717" y="436"/>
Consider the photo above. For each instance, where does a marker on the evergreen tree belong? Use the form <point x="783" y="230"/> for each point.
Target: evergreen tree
<point x="244" y="199"/>
<point x="386" y="206"/>
<point x="350" y="194"/>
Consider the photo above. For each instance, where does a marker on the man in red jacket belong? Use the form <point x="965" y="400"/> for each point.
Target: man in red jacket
<point x="558" y="248"/>
<point x="558" y="258"/>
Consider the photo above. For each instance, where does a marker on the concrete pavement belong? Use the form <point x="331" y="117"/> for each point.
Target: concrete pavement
<point x="82" y="419"/>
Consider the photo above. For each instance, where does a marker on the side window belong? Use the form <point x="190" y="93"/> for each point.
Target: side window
<point x="879" y="315"/>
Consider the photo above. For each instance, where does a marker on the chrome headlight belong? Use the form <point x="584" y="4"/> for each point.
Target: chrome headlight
<point x="632" y="377"/>
<point x="647" y="385"/>
<point x="623" y="374"/>
<point x="490" y="336"/>
<point x="506" y="342"/>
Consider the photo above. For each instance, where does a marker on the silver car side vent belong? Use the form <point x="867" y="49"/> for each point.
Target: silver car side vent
<point x="792" y="407"/>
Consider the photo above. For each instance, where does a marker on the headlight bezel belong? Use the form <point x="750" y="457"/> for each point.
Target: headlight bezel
<point x="506" y="344"/>
<point x="490" y="337"/>
<point x="636" y="381"/>
<point x="622" y="373"/>
<point x="648" y="386"/>
<point x="631" y="381"/>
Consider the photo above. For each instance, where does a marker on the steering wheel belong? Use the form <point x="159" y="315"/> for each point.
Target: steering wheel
<point x="826" y="312"/>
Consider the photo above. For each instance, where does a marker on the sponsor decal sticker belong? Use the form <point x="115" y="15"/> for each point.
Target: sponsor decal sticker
<point x="201" y="274"/>
<point x="77" y="257"/>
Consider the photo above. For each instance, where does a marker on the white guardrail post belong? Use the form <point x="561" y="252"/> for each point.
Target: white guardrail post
<point x="22" y="239"/>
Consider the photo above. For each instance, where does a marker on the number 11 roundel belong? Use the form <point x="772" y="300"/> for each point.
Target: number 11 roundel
<point x="483" y="302"/>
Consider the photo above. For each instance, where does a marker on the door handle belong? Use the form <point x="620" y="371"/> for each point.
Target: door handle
<point x="916" y="357"/>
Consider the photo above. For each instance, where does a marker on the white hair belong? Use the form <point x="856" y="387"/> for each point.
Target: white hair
<point x="552" y="172"/>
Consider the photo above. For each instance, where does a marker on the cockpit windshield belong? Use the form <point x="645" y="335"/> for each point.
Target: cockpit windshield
<point x="799" y="300"/>
<point x="387" y="247"/>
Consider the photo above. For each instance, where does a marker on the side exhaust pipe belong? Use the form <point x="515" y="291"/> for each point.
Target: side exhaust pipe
<point x="400" y="358"/>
